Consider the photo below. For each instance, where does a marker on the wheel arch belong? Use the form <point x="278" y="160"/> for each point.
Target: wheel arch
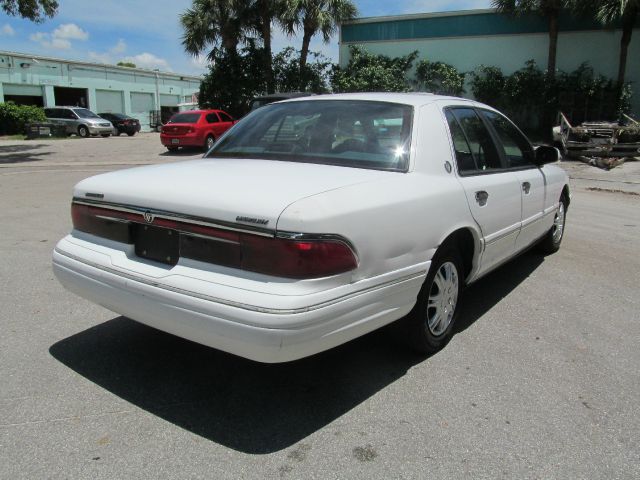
<point x="467" y="241"/>
<point x="566" y="193"/>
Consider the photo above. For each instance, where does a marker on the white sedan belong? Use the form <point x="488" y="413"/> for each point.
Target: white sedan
<point x="316" y="220"/>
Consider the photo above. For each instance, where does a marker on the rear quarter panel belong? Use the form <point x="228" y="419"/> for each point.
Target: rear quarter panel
<point x="399" y="221"/>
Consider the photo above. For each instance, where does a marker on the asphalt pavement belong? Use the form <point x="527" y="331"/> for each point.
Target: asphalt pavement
<point x="542" y="379"/>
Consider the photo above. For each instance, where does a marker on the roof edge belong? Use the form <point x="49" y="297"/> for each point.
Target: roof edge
<point x="100" y="65"/>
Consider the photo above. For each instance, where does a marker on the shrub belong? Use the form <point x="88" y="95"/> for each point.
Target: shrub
<point x="13" y="118"/>
<point x="440" y="78"/>
<point x="367" y="72"/>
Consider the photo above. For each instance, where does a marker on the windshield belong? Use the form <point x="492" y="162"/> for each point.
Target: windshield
<point x="352" y="133"/>
<point x="185" y="118"/>
<point x="84" y="113"/>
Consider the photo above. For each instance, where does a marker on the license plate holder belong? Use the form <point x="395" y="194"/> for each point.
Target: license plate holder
<point x="157" y="244"/>
<point x="175" y="141"/>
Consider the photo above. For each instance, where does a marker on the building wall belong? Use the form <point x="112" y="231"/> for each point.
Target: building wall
<point x="474" y="45"/>
<point x="23" y="74"/>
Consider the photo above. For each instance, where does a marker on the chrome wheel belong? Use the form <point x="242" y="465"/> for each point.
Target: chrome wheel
<point x="558" y="223"/>
<point x="443" y="297"/>
<point x="210" y="142"/>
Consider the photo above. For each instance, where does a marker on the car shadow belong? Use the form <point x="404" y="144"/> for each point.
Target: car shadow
<point x="487" y="292"/>
<point x="183" y="152"/>
<point x="21" y="153"/>
<point x="247" y="406"/>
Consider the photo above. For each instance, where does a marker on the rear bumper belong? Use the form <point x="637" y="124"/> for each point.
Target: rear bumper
<point x="265" y="333"/>
<point x="128" y="128"/>
<point x="188" y="140"/>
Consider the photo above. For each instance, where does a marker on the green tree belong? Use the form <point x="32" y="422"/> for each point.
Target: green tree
<point x="214" y="26"/>
<point x="227" y="25"/>
<point x="610" y="12"/>
<point x="126" y="64"/>
<point x="313" y="77"/>
<point x="440" y="78"/>
<point x="549" y="9"/>
<point x="313" y="17"/>
<point x="34" y="10"/>
<point x="367" y="72"/>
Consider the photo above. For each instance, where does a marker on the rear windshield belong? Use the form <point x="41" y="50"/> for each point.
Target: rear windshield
<point x="84" y="113"/>
<point x="185" y="118"/>
<point x="350" y="133"/>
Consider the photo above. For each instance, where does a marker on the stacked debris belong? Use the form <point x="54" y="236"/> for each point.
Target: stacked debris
<point x="603" y="144"/>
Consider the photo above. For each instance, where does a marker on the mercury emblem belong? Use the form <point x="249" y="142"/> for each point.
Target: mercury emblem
<point x="148" y="216"/>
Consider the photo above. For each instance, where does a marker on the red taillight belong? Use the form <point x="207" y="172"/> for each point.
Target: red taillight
<point x="296" y="259"/>
<point x="280" y="257"/>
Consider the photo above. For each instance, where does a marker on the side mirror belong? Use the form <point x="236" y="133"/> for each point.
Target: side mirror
<point x="545" y="154"/>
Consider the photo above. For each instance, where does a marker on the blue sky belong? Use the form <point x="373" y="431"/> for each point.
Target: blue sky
<point x="148" y="32"/>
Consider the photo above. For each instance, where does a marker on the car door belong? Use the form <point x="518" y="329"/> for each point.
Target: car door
<point x="519" y="154"/>
<point x="214" y="124"/>
<point x="226" y="122"/>
<point x="70" y="119"/>
<point x="493" y="192"/>
<point x="54" y="115"/>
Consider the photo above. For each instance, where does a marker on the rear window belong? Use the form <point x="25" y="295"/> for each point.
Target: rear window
<point x="363" y="134"/>
<point x="185" y="118"/>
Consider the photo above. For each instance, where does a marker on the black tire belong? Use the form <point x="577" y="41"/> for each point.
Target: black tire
<point x="172" y="149"/>
<point x="208" y="142"/>
<point x="131" y="134"/>
<point x="83" y="131"/>
<point x="550" y="243"/>
<point x="424" y="333"/>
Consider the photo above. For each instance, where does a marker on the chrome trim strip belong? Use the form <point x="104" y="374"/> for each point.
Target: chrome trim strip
<point x="265" y="232"/>
<point x="244" y="306"/>
<point x="511" y="231"/>
<point x="316" y="236"/>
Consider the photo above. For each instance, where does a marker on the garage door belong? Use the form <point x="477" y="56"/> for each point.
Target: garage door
<point x="141" y="106"/>
<point x="109" y="101"/>
<point x="169" y="100"/>
<point x="23" y="94"/>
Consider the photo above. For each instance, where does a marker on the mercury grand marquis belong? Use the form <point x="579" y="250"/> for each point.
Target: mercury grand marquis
<point x="316" y="220"/>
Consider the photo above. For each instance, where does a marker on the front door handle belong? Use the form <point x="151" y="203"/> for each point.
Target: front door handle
<point x="482" y="197"/>
<point x="526" y="186"/>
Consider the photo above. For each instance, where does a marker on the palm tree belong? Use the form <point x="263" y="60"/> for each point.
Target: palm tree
<point x="612" y="11"/>
<point x="315" y="16"/>
<point x="214" y="24"/>
<point x="550" y="9"/>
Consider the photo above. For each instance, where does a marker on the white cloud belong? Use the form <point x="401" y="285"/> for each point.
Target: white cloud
<point x="200" y="61"/>
<point x="109" y="55"/>
<point x="7" y="30"/>
<point x="428" y="6"/>
<point x="149" y="60"/>
<point x="60" y="38"/>
<point x="119" y="47"/>
<point x="70" y="31"/>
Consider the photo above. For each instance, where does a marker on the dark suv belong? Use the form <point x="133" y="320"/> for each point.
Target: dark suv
<point x="122" y="123"/>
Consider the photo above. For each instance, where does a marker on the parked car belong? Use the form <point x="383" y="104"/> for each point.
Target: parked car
<point x="195" y="128"/>
<point x="79" y="121"/>
<point x="122" y="123"/>
<point x="315" y="221"/>
<point x="263" y="100"/>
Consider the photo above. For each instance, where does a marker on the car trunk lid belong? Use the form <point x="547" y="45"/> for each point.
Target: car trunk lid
<point x="232" y="191"/>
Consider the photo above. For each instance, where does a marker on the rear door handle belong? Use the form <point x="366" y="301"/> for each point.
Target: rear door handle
<point x="526" y="186"/>
<point x="482" y="197"/>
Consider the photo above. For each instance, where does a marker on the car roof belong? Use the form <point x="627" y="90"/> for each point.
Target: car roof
<point x="409" y="98"/>
<point x="200" y="111"/>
